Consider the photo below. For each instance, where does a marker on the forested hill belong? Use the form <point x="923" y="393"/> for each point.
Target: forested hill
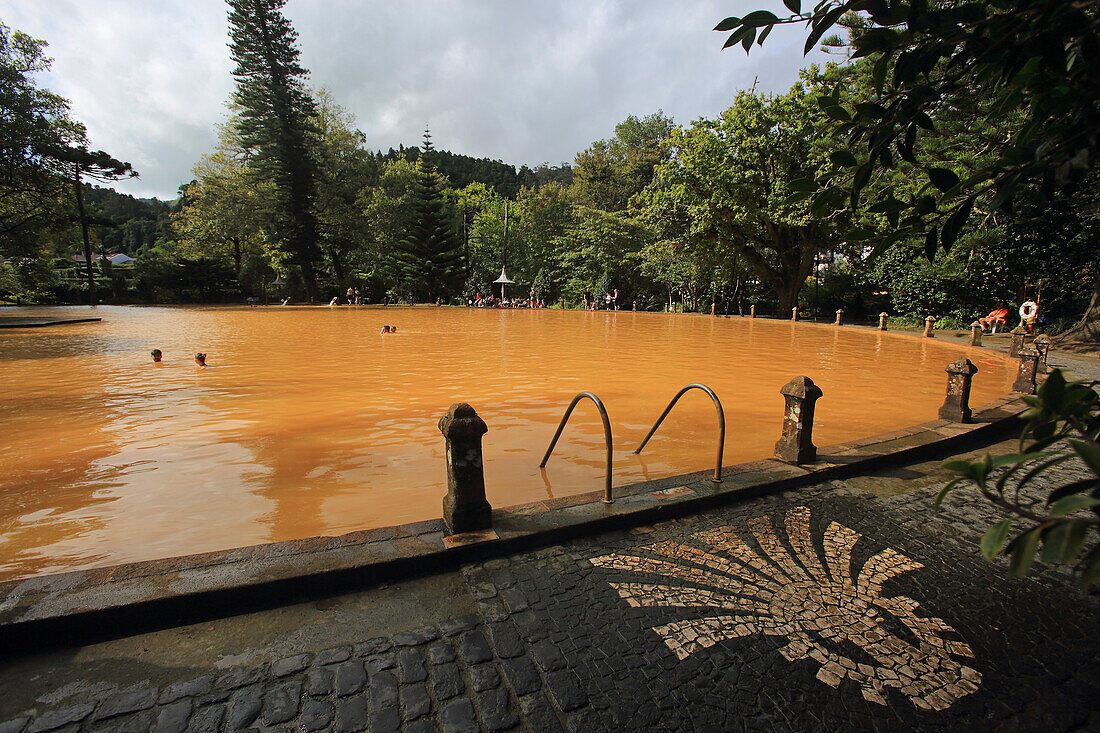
<point x="133" y="225"/>
<point x="462" y="170"/>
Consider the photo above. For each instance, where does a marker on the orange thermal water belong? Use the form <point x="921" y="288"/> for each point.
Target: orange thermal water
<point x="308" y="422"/>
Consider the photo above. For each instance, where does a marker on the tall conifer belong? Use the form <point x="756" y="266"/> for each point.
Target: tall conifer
<point x="276" y="122"/>
<point x="430" y="257"/>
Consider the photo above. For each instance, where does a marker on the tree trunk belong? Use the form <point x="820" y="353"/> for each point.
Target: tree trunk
<point x="1087" y="330"/>
<point x="93" y="296"/>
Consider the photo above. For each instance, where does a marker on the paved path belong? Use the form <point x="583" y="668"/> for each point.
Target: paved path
<point x="850" y="605"/>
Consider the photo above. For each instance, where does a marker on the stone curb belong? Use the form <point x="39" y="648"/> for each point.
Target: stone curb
<point x="90" y="605"/>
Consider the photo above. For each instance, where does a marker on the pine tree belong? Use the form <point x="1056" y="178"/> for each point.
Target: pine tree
<point x="429" y="259"/>
<point x="276" y="122"/>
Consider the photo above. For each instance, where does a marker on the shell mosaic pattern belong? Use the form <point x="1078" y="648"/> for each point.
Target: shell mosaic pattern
<point x="816" y="605"/>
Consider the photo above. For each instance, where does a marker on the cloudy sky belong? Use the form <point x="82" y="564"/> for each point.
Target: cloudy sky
<point x="521" y="81"/>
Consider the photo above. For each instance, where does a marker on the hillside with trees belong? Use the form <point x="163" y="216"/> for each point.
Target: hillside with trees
<point x="854" y="189"/>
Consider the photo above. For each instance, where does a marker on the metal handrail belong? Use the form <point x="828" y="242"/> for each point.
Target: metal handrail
<point x="721" y="425"/>
<point x="607" y="498"/>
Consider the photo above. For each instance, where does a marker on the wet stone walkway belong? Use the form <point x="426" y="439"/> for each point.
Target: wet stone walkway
<point x="826" y="609"/>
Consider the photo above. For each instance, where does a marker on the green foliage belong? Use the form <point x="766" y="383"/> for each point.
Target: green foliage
<point x="1063" y="423"/>
<point x="1033" y="63"/>
<point x="610" y="172"/>
<point x="733" y="182"/>
<point x="276" y="124"/>
<point x="429" y="259"/>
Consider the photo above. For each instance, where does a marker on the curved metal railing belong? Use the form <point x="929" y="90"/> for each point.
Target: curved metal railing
<point x="721" y="425"/>
<point x="607" y="498"/>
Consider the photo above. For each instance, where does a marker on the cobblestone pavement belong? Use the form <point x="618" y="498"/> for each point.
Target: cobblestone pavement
<point x="820" y="609"/>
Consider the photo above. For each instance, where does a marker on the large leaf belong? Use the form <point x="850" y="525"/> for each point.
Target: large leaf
<point x="1089" y="453"/>
<point x="1073" y="503"/>
<point x="1063" y="541"/>
<point x="1023" y="552"/>
<point x="728" y="24"/>
<point x="994" y="538"/>
<point x="1091" y="572"/>
<point x="795" y="6"/>
<point x="942" y="178"/>
<point x="843" y="158"/>
<point x="760" y="17"/>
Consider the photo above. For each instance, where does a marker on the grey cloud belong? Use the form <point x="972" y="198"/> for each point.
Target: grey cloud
<point x="524" y="82"/>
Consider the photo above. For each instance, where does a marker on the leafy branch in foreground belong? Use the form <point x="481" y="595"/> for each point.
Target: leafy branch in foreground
<point x="1063" y="422"/>
<point x="1034" y="61"/>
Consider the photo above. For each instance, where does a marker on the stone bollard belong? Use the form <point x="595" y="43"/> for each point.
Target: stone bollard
<point x="796" y="443"/>
<point x="1019" y="334"/>
<point x="752" y="311"/>
<point x="975" y="334"/>
<point x="1042" y="345"/>
<point x="794" y="313"/>
<point x="1025" y="378"/>
<point x="928" y="326"/>
<point x="956" y="406"/>
<point x="882" y="321"/>
<point x="839" y="314"/>
<point x="465" y="508"/>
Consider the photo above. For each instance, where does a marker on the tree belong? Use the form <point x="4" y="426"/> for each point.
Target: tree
<point x="97" y="166"/>
<point x="34" y="123"/>
<point x="1036" y="60"/>
<point x="277" y="121"/>
<point x="609" y="172"/>
<point x="737" y="174"/>
<point x="430" y="258"/>
<point x="346" y="169"/>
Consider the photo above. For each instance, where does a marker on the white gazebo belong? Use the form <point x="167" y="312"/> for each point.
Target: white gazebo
<point x="502" y="281"/>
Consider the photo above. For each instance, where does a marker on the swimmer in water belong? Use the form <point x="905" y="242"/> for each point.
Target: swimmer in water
<point x="385" y="329"/>
<point x="200" y="360"/>
<point x="155" y="353"/>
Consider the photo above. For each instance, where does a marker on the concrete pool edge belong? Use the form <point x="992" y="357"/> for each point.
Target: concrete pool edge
<point x="87" y="605"/>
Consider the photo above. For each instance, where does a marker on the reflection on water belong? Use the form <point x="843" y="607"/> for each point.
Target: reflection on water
<point x="308" y="422"/>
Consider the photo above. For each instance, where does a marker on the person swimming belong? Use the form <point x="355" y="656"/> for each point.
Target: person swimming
<point x="200" y="360"/>
<point x="388" y="329"/>
<point x="155" y="353"/>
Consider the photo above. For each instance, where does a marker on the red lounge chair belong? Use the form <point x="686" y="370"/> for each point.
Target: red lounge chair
<point x="998" y="317"/>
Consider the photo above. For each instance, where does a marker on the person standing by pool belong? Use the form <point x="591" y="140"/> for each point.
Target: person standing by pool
<point x="615" y="299"/>
<point x="587" y="299"/>
<point x="332" y="302"/>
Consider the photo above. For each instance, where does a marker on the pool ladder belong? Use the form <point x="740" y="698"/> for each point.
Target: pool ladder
<point x="608" y="498"/>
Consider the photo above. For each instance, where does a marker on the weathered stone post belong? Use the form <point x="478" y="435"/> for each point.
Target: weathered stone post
<point x="794" y="313"/>
<point x="1042" y="345"/>
<point x="839" y="314"/>
<point x="1025" y="378"/>
<point x="465" y="508"/>
<point x="796" y="443"/>
<point x="1019" y="334"/>
<point x="928" y="326"/>
<point x="975" y="334"/>
<point x="752" y="311"/>
<point x="882" y="320"/>
<point x="956" y="406"/>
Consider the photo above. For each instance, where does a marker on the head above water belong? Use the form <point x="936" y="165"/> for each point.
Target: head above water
<point x="200" y="359"/>
<point x="155" y="353"/>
